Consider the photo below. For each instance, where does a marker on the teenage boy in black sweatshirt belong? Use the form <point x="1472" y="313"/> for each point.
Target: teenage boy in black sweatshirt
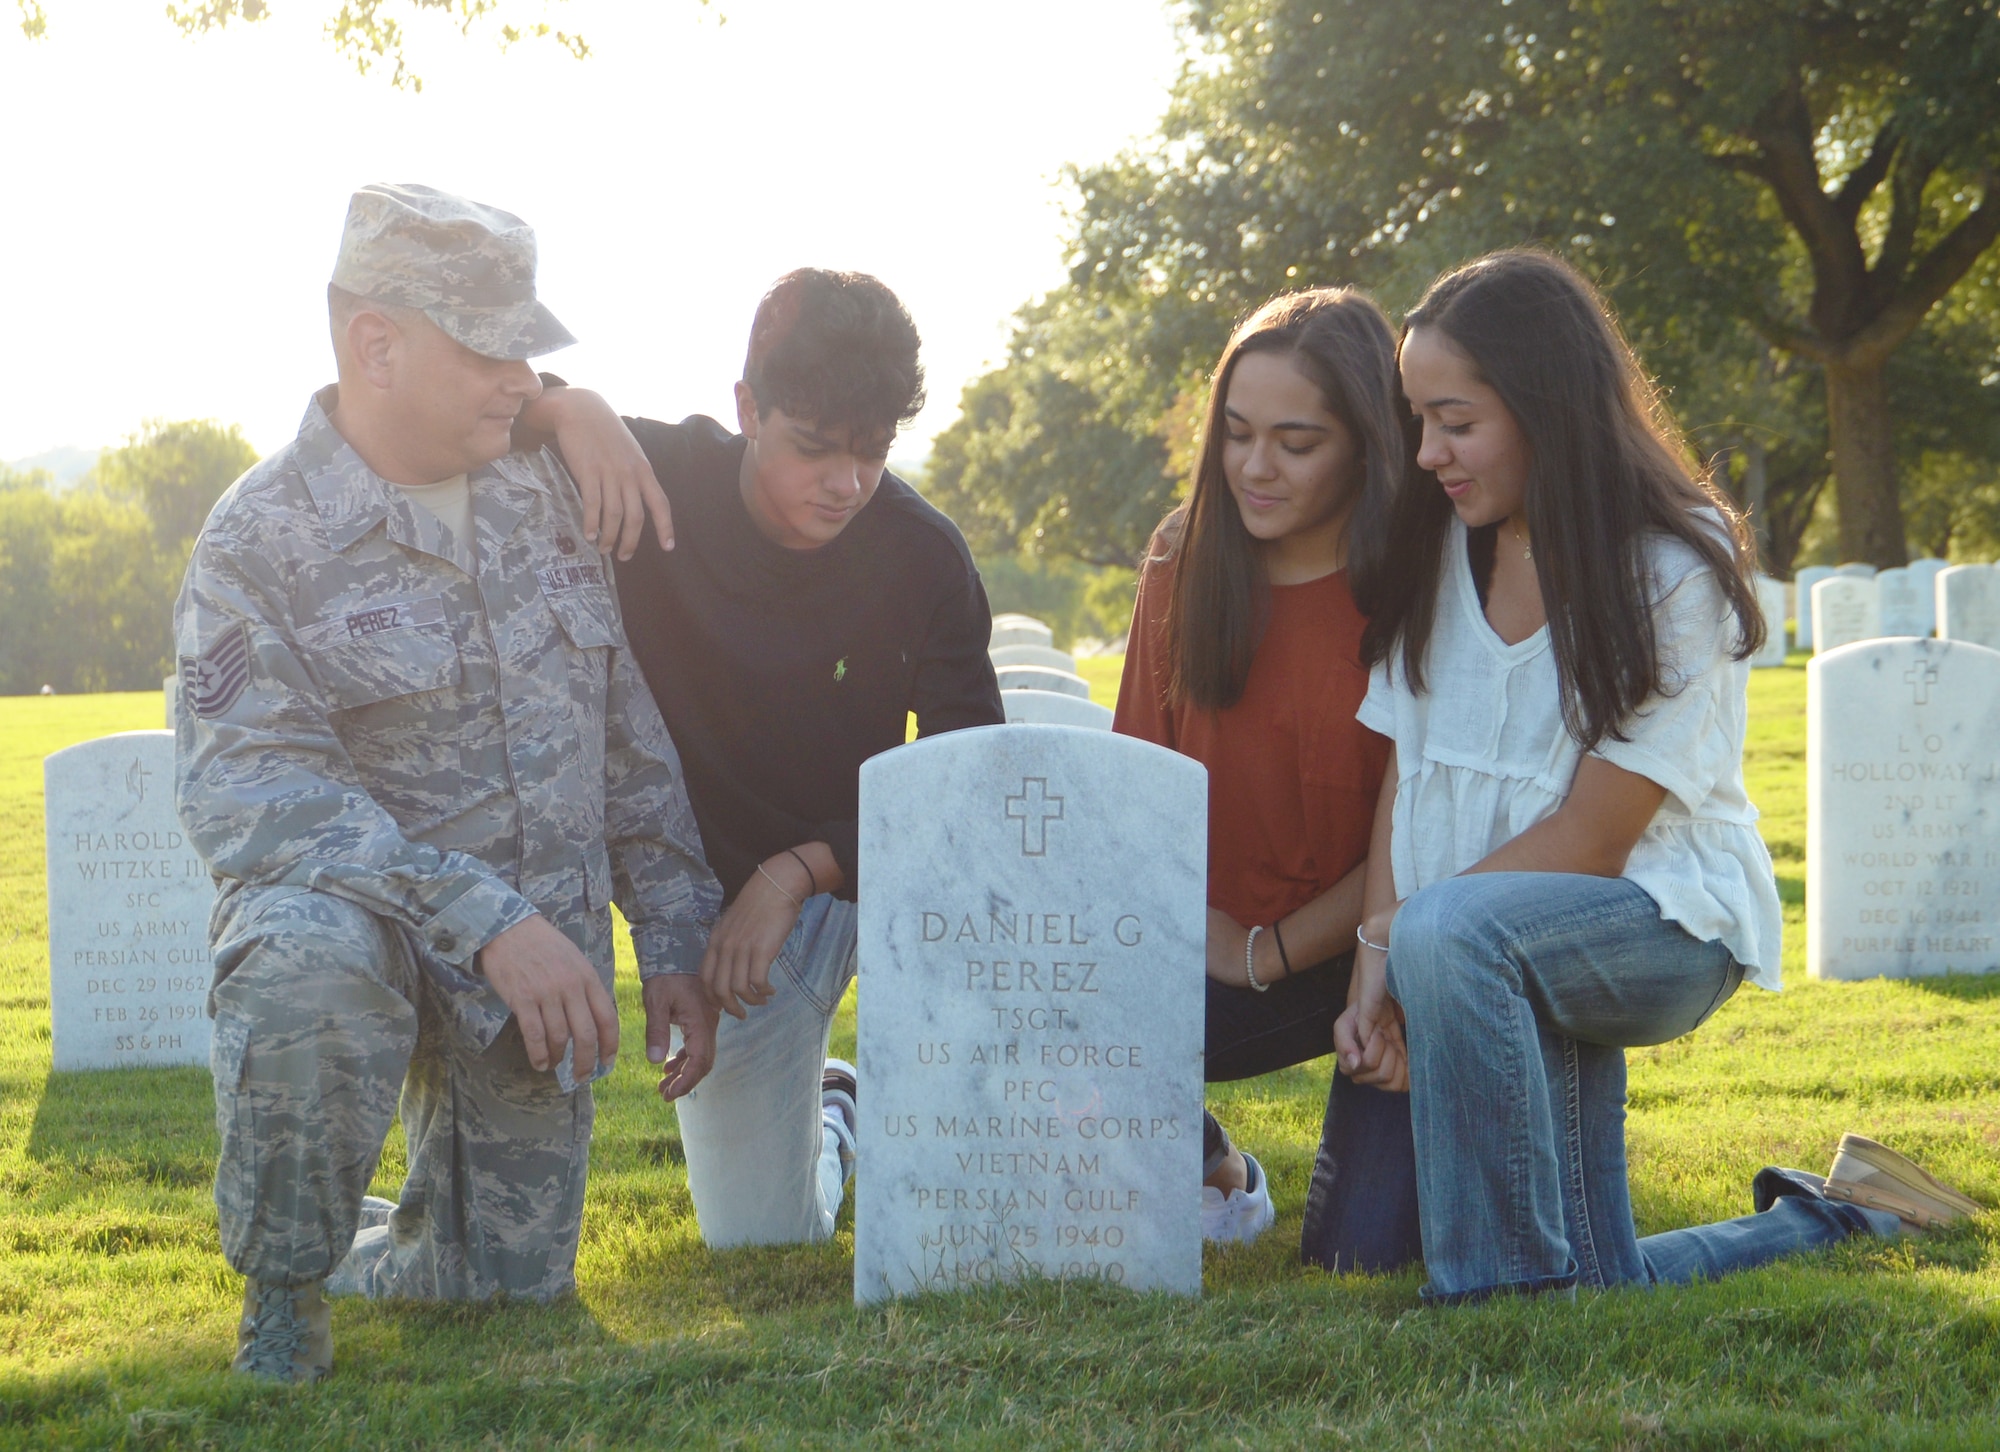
<point x="793" y="605"/>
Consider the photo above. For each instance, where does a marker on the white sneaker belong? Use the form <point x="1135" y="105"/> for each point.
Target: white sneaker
<point x="1242" y="1215"/>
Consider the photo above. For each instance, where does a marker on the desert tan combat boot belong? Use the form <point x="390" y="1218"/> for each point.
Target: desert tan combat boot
<point x="286" y="1334"/>
<point x="1871" y="1174"/>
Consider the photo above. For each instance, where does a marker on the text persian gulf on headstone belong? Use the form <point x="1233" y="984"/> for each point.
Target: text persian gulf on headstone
<point x="128" y="908"/>
<point x="1030" y="1027"/>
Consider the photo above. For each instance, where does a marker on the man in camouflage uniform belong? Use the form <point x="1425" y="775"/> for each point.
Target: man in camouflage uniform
<point x="421" y="763"/>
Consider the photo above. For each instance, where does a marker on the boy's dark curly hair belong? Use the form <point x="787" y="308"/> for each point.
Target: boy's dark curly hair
<point x="835" y="349"/>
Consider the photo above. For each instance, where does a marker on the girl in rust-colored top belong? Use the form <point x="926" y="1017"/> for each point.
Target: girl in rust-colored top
<point x="1244" y="654"/>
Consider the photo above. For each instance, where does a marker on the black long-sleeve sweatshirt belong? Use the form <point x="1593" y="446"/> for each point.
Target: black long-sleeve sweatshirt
<point x="780" y="671"/>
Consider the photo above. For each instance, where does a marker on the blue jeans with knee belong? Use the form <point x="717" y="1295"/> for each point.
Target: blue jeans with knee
<point x="761" y="1169"/>
<point x="1521" y="992"/>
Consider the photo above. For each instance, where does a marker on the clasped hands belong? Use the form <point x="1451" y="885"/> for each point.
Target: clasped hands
<point x="1368" y="1036"/>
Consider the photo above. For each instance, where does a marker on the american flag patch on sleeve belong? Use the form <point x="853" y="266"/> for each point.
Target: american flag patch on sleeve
<point x="211" y="684"/>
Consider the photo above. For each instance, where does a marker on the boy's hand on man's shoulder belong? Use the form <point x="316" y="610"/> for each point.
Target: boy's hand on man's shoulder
<point x="610" y="470"/>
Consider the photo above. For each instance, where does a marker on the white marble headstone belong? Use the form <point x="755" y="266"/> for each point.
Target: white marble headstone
<point x="1020" y="630"/>
<point x="1771" y="601"/>
<point x="1907" y="607"/>
<point x="1045" y="656"/>
<point x="1926" y="571"/>
<point x="1856" y="571"/>
<point x="1968" y="604"/>
<point x="1041" y="678"/>
<point x="1902" y="810"/>
<point x="128" y="908"/>
<point x="1032" y="932"/>
<point x="1845" y="608"/>
<point x="1802" y="585"/>
<point x="1053" y="708"/>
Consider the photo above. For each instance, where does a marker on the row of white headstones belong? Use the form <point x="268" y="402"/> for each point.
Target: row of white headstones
<point x="1837" y="605"/>
<point x="1032" y="943"/>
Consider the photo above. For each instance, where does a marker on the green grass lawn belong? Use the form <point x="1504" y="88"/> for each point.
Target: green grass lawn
<point x="116" y="1311"/>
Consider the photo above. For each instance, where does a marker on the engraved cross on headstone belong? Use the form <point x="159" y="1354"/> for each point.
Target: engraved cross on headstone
<point x="1921" y="677"/>
<point x="1034" y="808"/>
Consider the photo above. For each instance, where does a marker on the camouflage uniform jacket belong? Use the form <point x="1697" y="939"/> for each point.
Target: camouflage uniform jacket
<point x="452" y="751"/>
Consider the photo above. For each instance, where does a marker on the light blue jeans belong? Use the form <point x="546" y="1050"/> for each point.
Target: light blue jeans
<point x="1521" y="993"/>
<point x="760" y="1168"/>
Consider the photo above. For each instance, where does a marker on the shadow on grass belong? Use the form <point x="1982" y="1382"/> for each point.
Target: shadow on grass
<point x="1964" y="987"/>
<point x="154" y="1125"/>
<point x="1825" y="1353"/>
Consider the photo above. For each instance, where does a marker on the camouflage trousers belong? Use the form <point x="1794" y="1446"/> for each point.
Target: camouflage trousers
<point x="323" y="1016"/>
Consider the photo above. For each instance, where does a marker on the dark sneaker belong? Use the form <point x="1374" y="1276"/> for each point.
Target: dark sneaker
<point x="1873" y="1175"/>
<point x="838" y="1092"/>
<point x="286" y="1334"/>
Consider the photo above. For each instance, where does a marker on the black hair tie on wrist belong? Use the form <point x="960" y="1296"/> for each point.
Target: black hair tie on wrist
<point x="810" y="877"/>
<point x="1283" y="957"/>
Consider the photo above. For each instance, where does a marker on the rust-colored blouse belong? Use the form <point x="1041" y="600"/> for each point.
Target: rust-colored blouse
<point x="1292" y="776"/>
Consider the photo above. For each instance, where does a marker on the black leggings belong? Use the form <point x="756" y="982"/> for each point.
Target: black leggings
<point x="1361" y="1208"/>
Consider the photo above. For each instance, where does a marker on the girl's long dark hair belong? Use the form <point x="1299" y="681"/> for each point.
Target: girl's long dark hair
<point x="1217" y="603"/>
<point x="1607" y="467"/>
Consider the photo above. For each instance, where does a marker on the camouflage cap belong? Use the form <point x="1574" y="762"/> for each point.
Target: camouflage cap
<point x="470" y="268"/>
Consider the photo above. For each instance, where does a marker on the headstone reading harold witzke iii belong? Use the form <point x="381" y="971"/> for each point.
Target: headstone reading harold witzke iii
<point x="1032" y="934"/>
<point x="128" y="908"/>
<point x="1903" y="810"/>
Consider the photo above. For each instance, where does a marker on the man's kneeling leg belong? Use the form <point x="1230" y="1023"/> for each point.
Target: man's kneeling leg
<point x="499" y="1155"/>
<point x="314" y="1026"/>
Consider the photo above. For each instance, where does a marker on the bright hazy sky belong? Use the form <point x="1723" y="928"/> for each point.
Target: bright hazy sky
<point x="173" y="206"/>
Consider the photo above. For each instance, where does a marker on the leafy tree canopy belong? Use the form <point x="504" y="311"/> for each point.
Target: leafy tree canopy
<point x="175" y="472"/>
<point x="367" y="32"/>
<point x="1784" y="197"/>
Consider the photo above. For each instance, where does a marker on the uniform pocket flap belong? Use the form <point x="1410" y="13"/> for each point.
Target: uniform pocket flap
<point x="586" y="615"/>
<point x="398" y="661"/>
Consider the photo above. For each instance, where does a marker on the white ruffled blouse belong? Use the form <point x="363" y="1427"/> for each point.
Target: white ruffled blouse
<point x="1483" y="755"/>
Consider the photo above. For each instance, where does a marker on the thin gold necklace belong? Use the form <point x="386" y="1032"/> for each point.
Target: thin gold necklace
<point x="1527" y="550"/>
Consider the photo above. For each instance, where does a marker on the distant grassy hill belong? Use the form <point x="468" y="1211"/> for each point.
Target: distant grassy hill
<point x="63" y="466"/>
<point x="116" y="1310"/>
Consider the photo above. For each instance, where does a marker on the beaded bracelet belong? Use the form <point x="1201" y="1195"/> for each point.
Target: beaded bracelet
<point x="1378" y="947"/>
<point x="1250" y="960"/>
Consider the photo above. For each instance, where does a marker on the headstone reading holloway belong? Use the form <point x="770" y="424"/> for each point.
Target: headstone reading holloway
<point x="128" y="908"/>
<point x="1802" y="587"/>
<point x="1845" y="608"/>
<point x="1032" y="935"/>
<point x="1906" y="603"/>
<point x="1902" y="810"/>
<point x="1968" y="604"/>
<point x="1771" y="602"/>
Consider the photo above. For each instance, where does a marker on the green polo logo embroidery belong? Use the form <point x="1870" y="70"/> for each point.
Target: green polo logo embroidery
<point x="840" y="669"/>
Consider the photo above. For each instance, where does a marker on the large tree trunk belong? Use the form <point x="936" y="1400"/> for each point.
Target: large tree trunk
<point x="1864" y="465"/>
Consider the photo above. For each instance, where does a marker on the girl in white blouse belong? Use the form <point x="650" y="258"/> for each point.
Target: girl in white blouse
<point x="1564" y="860"/>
